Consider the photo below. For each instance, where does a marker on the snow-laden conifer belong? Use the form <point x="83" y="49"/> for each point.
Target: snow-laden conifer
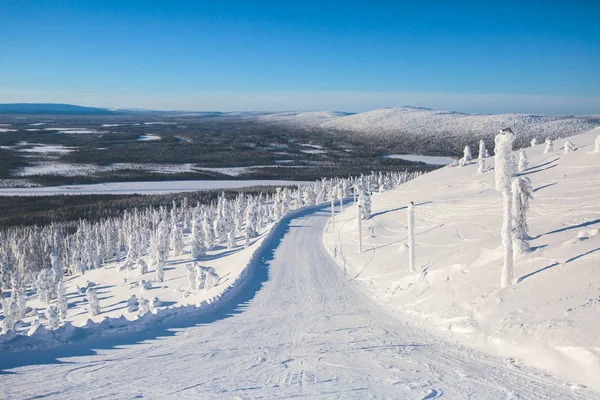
<point x="62" y="300"/>
<point x="482" y="150"/>
<point x="549" y="146"/>
<point x="93" y="303"/>
<point x="569" y="147"/>
<point x="52" y="317"/>
<point x="523" y="161"/>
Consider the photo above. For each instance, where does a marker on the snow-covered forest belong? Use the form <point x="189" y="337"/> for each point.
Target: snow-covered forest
<point x="35" y="261"/>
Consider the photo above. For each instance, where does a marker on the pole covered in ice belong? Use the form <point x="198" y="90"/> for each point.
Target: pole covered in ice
<point x="504" y="172"/>
<point x="411" y="236"/>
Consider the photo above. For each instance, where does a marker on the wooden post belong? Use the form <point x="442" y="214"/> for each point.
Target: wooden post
<point x="359" y="228"/>
<point x="411" y="237"/>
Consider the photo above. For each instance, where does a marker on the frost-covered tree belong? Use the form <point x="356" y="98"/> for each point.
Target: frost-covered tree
<point x="504" y="172"/>
<point x="523" y="161"/>
<point x="482" y="150"/>
<point x="52" y="317"/>
<point x="481" y="168"/>
<point x="522" y="193"/>
<point x="597" y="145"/>
<point x="44" y="285"/>
<point x="62" y="300"/>
<point x="177" y="239"/>
<point x="11" y="314"/>
<point x="364" y="199"/>
<point x="144" y="306"/>
<point x="569" y="147"/>
<point x="251" y="219"/>
<point x="231" y="240"/>
<point x="191" y="274"/>
<point x="198" y="248"/>
<point x="93" y="303"/>
<point x="467" y="154"/>
<point x="533" y="142"/>
<point x="142" y="267"/>
<point x="549" y="146"/>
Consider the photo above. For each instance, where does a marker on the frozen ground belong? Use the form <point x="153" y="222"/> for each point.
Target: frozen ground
<point x="300" y="328"/>
<point x="147" y="187"/>
<point x="550" y="317"/>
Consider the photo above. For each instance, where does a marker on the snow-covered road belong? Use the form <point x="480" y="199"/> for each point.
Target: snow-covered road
<point x="300" y="329"/>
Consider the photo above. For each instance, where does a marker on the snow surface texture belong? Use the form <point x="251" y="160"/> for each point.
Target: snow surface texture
<point x="423" y="123"/>
<point x="549" y="317"/>
<point x="149" y="187"/>
<point x="299" y="328"/>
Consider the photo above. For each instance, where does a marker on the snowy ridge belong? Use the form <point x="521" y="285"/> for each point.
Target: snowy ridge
<point x="303" y="117"/>
<point x="549" y="317"/>
<point x="425" y="123"/>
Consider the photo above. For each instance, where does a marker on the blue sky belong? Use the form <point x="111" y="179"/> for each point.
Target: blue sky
<point x="480" y="56"/>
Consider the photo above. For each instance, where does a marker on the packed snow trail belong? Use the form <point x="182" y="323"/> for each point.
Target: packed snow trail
<point x="306" y="330"/>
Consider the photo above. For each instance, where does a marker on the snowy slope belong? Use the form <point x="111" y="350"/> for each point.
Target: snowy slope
<point x="300" y="330"/>
<point x="550" y="317"/>
<point x="424" y="123"/>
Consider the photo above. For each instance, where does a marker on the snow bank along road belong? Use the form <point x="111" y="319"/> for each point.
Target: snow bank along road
<point x="299" y="329"/>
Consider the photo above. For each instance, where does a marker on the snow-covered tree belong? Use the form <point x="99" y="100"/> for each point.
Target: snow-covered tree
<point x="467" y="154"/>
<point x="549" y="146"/>
<point x="142" y="267"/>
<point x="231" y="240"/>
<point x="504" y="171"/>
<point x="597" y="145"/>
<point x="569" y="147"/>
<point x="44" y="285"/>
<point x="481" y="168"/>
<point x="522" y="193"/>
<point x="533" y="142"/>
<point x="62" y="300"/>
<point x="523" y="161"/>
<point x="11" y="314"/>
<point x="52" y="317"/>
<point x="482" y="150"/>
<point x="364" y="199"/>
<point x="177" y="239"/>
<point x="93" y="303"/>
<point x="191" y="274"/>
<point x="198" y="248"/>
<point x="144" y="306"/>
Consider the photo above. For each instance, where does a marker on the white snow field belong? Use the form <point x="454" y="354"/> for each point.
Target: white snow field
<point x="549" y="317"/>
<point x="298" y="328"/>
<point x="422" y="123"/>
<point x="309" y="118"/>
<point x="144" y="187"/>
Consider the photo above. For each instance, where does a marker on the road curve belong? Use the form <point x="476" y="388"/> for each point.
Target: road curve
<point x="300" y="329"/>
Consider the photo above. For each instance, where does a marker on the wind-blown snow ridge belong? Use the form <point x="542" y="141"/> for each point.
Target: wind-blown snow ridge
<point x="424" y="123"/>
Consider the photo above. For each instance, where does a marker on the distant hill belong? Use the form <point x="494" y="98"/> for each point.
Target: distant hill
<point x="53" y="108"/>
<point x="412" y="123"/>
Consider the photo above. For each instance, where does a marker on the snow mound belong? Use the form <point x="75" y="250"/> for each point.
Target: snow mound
<point x="424" y="123"/>
<point x="550" y="316"/>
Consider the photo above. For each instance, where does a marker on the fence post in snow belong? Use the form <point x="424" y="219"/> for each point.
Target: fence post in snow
<point x="332" y="213"/>
<point x="411" y="237"/>
<point x="359" y="229"/>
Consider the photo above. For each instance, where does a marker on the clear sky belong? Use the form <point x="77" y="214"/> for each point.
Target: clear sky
<point x="478" y="56"/>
